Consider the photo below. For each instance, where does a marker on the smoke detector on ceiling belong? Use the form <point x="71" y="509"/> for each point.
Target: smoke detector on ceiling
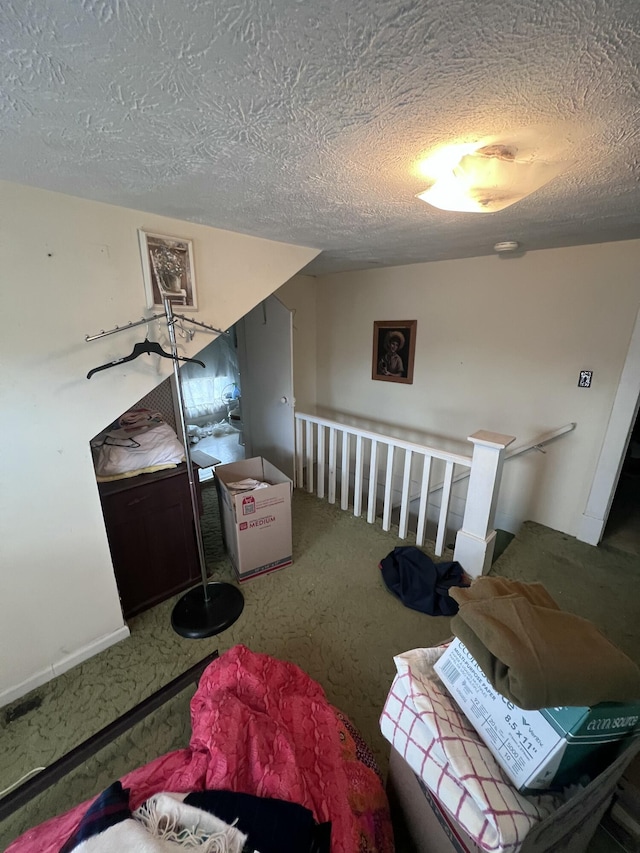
<point x="506" y="246"/>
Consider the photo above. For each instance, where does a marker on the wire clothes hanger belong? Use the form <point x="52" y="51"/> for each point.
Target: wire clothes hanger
<point x="147" y="346"/>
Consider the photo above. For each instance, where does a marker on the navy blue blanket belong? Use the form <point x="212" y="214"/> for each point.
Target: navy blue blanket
<point x="420" y="583"/>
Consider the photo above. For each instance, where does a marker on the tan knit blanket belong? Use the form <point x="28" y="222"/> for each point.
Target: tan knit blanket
<point x="535" y="654"/>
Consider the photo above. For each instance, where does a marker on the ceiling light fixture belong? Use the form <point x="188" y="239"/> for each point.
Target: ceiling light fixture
<point x="482" y="178"/>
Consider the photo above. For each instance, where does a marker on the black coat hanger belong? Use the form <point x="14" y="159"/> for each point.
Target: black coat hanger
<point x="147" y="346"/>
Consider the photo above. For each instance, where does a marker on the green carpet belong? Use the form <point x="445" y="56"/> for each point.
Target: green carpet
<point x="329" y="613"/>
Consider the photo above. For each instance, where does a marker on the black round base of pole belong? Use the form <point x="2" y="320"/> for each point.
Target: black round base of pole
<point x="195" y="617"/>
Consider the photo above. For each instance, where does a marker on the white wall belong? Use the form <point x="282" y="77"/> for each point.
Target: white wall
<point x="300" y="296"/>
<point x="71" y="267"/>
<point x="500" y="343"/>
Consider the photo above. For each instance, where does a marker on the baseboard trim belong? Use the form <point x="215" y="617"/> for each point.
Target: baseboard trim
<point x="68" y="662"/>
<point x="90" y="650"/>
<point x="590" y="529"/>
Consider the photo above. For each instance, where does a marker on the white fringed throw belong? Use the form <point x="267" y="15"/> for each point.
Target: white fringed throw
<point x="164" y="823"/>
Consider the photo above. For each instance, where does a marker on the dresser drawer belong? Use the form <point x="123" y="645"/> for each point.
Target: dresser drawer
<point x="149" y="524"/>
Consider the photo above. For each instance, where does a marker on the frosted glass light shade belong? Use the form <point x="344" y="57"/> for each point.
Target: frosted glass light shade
<point x="483" y="180"/>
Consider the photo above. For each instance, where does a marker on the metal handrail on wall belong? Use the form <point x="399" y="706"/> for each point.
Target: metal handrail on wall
<point x="535" y="444"/>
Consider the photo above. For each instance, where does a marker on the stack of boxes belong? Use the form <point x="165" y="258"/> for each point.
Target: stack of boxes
<point x="538" y="750"/>
<point x="580" y="752"/>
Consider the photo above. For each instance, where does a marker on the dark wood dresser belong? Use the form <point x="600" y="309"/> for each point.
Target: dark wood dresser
<point x="149" y="523"/>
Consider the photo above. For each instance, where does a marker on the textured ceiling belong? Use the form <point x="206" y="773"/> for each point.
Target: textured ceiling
<point x="302" y="120"/>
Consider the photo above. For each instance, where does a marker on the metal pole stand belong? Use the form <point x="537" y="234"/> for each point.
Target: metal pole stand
<point x="212" y="607"/>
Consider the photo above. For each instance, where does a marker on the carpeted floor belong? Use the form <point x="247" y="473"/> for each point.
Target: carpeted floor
<point x="601" y="584"/>
<point x="329" y="613"/>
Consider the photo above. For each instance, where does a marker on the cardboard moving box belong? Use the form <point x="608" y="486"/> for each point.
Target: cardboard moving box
<point x="568" y="830"/>
<point x="256" y="523"/>
<point x="552" y="747"/>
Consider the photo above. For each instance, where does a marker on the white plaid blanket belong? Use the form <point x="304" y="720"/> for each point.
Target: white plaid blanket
<point x="434" y="737"/>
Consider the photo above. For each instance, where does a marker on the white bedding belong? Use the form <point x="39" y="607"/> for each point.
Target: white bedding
<point x="439" y="744"/>
<point x="137" y="443"/>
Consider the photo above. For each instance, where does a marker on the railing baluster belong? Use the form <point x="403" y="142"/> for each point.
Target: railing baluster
<point x="331" y="497"/>
<point x="299" y="456"/>
<point x="404" y="505"/>
<point x="373" y="483"/>
<point x="357" y="489"/>
<point x="386" y="511"/>
<point x="310" y="456"/>
<point x="474" y="541"/>
<point x="320" y="472"/>
<point x="346" y="465"/>
<point x="444" y="509"/>
<point x="424" y="501"/>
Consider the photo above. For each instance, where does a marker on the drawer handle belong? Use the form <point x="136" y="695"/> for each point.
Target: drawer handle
<point x="137" y="501"/>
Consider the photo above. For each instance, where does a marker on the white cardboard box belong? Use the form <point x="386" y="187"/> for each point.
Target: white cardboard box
<point x="552" y="747"/>
<point x="256" y="524"/>
<point x="568" y="830"/>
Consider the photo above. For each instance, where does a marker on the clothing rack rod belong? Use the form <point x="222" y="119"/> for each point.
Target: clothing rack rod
<point x="198" y="323"/>
<point x="187" y="453"/>
<point x="103" y="334"/>
<point x="209" y="608"/>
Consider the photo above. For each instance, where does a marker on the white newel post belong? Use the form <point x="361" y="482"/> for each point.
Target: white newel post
<point x="476" y="539"/>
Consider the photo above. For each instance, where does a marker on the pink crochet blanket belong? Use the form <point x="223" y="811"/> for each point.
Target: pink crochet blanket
<point x="261" y="726"/>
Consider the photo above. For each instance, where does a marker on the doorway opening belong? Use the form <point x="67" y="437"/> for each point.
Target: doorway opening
<point x="213" y="403"/>
<point x="617" y="440"/>
<point x="622" y="529"/>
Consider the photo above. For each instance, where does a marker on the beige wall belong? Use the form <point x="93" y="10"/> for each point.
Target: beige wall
<point x="300" y="296"/>
<point x="500" y="344"/>
<point x="70" y="268"/>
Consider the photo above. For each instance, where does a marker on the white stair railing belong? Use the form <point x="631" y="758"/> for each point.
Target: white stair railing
<point x="326" y="449"/>
<point x="534" y="444"/>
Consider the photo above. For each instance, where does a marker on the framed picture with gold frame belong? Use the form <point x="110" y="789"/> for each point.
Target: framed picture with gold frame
<point x="394" y="346"/>
<point x="167" y="268"/>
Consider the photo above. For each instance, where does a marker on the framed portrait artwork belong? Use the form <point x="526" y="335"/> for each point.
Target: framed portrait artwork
<point x="167" y="268"/>
<point x="394" y="345"/>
